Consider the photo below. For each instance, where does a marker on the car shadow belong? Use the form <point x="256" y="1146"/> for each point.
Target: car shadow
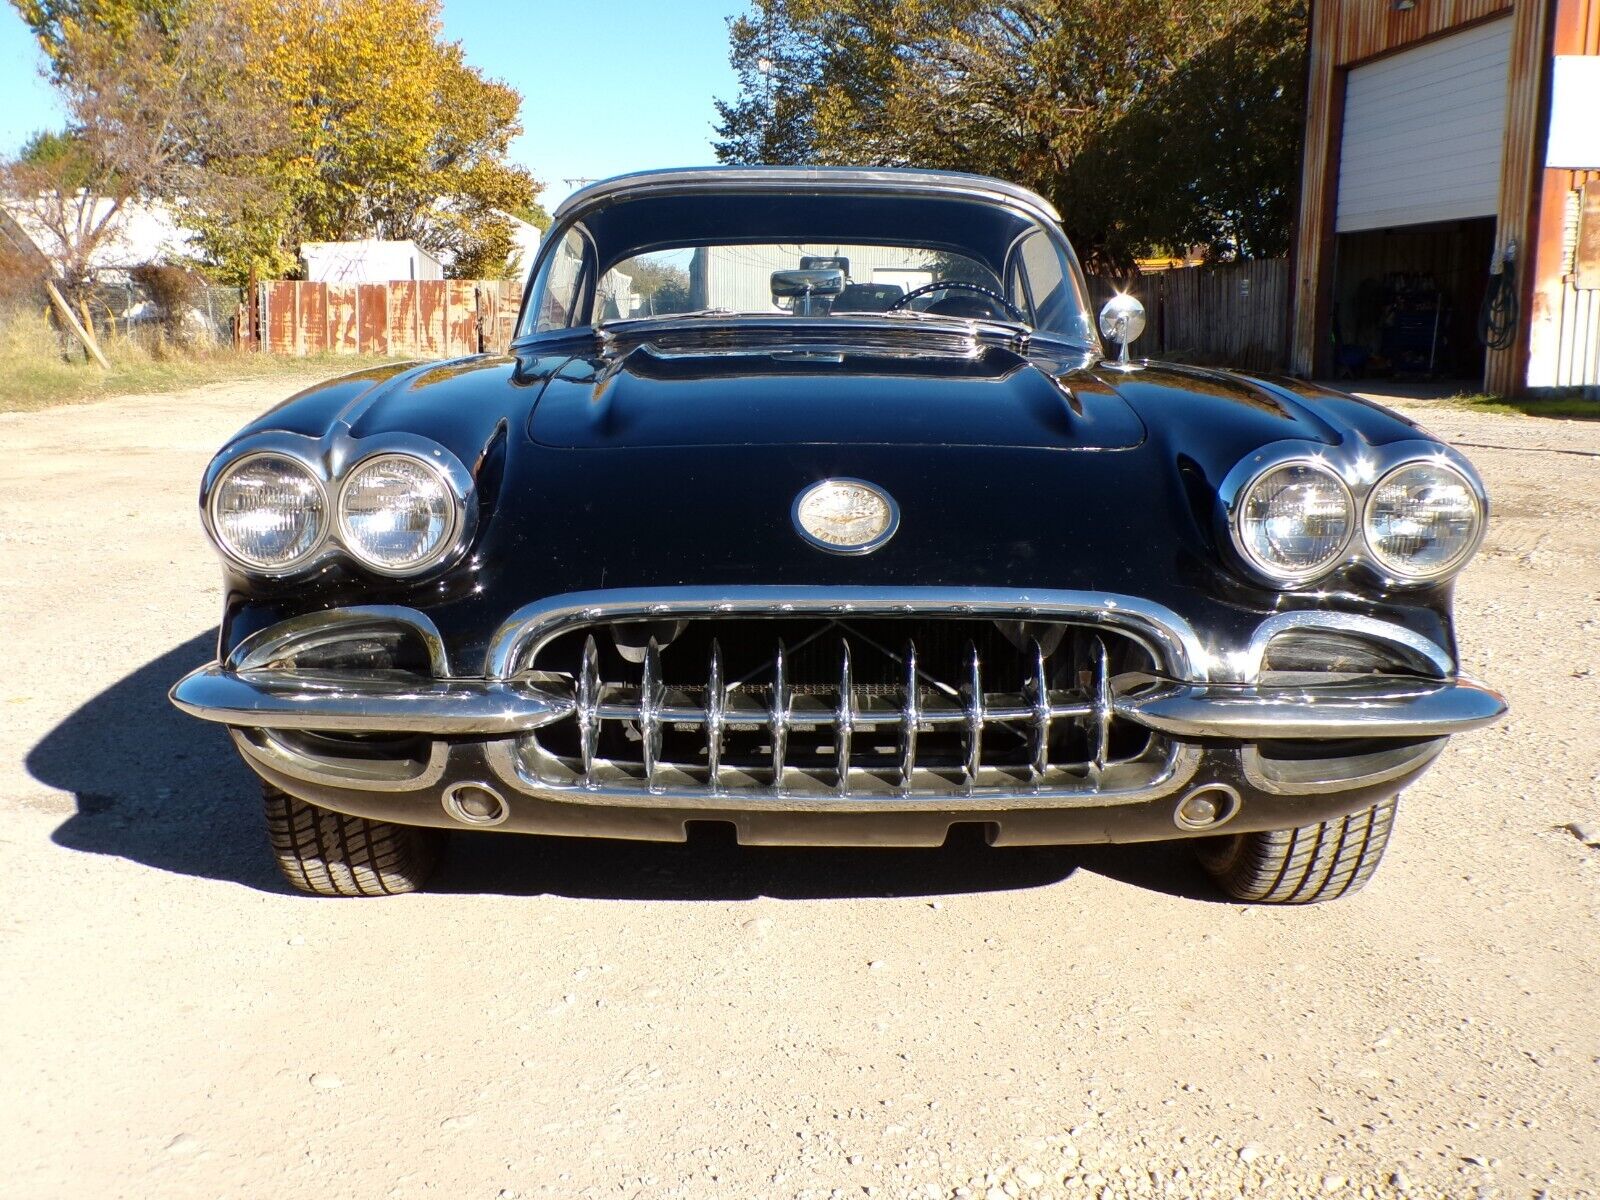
<point x="156" y="787"/>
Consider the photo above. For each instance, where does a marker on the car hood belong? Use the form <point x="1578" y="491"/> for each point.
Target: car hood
<point x="649" y="469"/>
<point x="776" y="395"/>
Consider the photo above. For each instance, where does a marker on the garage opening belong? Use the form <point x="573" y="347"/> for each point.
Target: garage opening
<point x="1406" y="300"/>
<point x="1419" y="181"/>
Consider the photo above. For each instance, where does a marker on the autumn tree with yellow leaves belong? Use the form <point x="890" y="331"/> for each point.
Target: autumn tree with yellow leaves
<point x="387" y="131"/>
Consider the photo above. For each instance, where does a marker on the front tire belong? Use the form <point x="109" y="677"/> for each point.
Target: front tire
<point x="327" y="853"/>
<point x="1306" y="865"/>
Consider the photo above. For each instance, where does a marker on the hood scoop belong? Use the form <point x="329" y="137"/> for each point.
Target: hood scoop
<point x="810" y="394"/>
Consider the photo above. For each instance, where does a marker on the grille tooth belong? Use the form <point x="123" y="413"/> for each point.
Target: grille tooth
<point x="1038" y="694"/>
<point x="1100" y="731"/>
<point x="910" y="718"/>
<point x="589" y="707"/>
<point x="779" y="718"/>
<point x="972" y="700"/>
<point x="845" y="718"/>
<point x="714" y="718"/>
<point x="651" y="694"/>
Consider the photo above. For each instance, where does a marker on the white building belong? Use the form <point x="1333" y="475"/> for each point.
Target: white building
<point x="141" y="233"/>
<point x="367" y="261"/>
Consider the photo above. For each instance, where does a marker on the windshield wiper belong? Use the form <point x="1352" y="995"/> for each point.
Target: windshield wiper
<point x="919" y="315"/>
<point x="673" y="316"/>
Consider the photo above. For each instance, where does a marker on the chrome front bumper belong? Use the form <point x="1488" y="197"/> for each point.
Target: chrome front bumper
<point x="345" y="703"/>
<point x="1223" y="724"/>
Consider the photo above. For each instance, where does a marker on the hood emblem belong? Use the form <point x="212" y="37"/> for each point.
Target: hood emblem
<point x="845" y="516"/>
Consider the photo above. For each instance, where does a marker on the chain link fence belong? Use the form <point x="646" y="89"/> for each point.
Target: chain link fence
<point x="207" y="317"/>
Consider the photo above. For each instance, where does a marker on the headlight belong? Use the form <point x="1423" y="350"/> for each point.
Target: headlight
<point x="1294" y="521"/>
<point x="1422" y="521"/>
<point x="268" y="512"/>
<point x="397" y="514"/>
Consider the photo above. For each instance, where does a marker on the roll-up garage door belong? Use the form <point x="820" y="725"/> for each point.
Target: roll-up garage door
<point x="1423" y="131"/>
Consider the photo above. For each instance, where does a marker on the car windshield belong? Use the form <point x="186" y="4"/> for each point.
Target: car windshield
<point x="834" y="255"/>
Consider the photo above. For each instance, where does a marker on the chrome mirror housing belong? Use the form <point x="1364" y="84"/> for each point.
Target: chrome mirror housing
<point x="1121" y="321"/>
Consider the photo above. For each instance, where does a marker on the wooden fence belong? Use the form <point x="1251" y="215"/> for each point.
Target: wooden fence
<point x="1233" y="314"/>
<point x="426" y="318"/>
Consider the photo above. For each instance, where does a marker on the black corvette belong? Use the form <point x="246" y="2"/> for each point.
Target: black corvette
<point x="806" y="501"/>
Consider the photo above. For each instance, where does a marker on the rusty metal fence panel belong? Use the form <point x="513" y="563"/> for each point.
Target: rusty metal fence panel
<point x="1232" y="314"/>
<point x="429" y="318"/>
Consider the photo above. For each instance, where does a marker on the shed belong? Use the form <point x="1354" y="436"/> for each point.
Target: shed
<point x="367" y="261"/>
<point x="1450" y="203"/>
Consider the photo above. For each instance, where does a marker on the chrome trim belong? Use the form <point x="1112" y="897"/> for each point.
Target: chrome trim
<point x="1176" y="771"/>
<point x="1386" y="707"/>
<point x="1229" y="811"/>
<point x="262" y="747"/>
<point x="1352" y="623"/>
<point x="334" y="624"/>
<point x="1360" y="466"/>
<point x="895" y="180"/>
<point x="1277" y="576"/>
<point x="371" y="702"/>
<point x="451" y="802"/>
<point x="1169" y="637"/>
<point x="463" y="513"/>
<point x="329" y="459"/>
<point x="1398" y="761"/>
<point x="1454" y="565"/>
<point x="291" y="447"/>
<point x="866" y="547"/>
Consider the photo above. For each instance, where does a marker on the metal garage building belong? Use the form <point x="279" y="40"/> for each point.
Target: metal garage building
<point x="1450" y="204"/>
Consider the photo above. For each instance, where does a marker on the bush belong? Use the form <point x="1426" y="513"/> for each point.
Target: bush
<point x="174" y="294"/>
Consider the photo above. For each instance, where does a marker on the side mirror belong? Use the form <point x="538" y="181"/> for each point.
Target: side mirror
<point x="1121" y="321"/>
<point x="803" y="285"/>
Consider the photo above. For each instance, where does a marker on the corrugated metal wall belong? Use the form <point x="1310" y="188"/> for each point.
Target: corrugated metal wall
<point x="1563" y="320"/>
<point x="430" y="318"/>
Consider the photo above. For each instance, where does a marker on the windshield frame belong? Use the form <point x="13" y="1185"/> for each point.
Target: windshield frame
<point x="571" y="217"/>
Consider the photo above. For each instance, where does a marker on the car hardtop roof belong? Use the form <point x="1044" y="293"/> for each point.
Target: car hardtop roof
<point x="805" y="179"/>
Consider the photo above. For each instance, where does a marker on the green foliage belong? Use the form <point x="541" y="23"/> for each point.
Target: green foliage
<point x="662" y="287"/>
<point x="1145" y="121"/>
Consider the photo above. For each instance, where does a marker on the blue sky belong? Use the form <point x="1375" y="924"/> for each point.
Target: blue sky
<point x="607" y="85"/>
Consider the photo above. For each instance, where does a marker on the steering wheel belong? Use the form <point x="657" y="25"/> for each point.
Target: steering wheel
<point x="961" y="285"/>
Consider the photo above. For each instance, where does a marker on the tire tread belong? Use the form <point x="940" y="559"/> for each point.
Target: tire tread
<point x="1310" y="864"/>
<point x="327" y="853"/>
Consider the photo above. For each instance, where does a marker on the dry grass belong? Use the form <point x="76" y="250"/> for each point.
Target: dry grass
<point x="37" y="369"/>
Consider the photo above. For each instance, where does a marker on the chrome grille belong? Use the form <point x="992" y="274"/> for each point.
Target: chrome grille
<point x="843" y="707"/>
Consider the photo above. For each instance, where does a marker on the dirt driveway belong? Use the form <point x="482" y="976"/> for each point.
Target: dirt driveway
<point x="614" y="1020"/>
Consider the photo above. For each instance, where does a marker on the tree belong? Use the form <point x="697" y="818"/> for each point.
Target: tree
<point x="55" y="23"/>
<point x="1142" y="120"/>
<point x="151" y="118"/>
<point x="394" y="134"/>
<point x="386" y="130"/>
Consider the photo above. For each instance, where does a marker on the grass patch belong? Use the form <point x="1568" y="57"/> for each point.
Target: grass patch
<point x="36" y="371"/>
<point x="1564" y="408"/>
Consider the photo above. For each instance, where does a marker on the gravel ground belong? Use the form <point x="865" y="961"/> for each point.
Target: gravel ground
<point x="599" y="1019"/>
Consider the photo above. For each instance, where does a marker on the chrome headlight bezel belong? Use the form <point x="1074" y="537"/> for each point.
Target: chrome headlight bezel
<point x="331" y="460"/>
<point x="448" y="543"/>
<point x="1273" y="573"/>
<point x="1398" y="576"/>
<point x="232" y="467"/>
<point x="1361" y="468"/>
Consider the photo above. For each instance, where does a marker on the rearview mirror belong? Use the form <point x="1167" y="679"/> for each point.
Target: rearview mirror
<point x="805" y="285"/>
